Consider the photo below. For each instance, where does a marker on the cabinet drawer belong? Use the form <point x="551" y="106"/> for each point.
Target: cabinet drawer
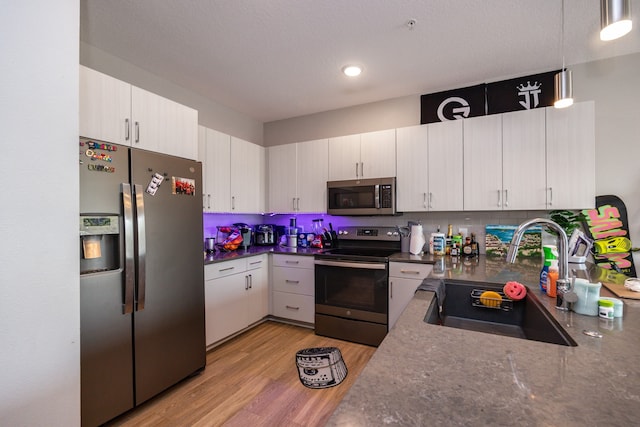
<point x="294" y="306"/>
<point x="293" y="280"/>
<point x="256" y="262"/>
<point x="409" y="270"/>
<point x="226" y="268"/>
<point x="296" y="261"/>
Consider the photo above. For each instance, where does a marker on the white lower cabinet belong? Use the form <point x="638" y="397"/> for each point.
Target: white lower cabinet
<point x="293" y="287"/>
<point x="404" y="279"/>
<point x="236" y="295"/>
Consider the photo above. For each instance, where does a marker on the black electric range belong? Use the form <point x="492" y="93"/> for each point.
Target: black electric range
<point x="352" y="283"/>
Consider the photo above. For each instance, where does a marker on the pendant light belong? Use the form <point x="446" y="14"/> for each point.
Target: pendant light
<point x="615" y="19"/>
<point x="563" y="85"/>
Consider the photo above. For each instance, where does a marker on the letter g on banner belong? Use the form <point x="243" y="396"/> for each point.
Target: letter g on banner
<point x="460" y="112"/>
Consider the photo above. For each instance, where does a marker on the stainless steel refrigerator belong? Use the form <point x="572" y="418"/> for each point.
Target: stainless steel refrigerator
<point x="141" y="276"/>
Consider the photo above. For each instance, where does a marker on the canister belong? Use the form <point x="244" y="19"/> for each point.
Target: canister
<point x="605" y="309"/>
<point x="617" y="306"/>
<point x="588" y="296"/>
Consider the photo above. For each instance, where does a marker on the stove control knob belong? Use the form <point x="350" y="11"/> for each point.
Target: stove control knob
<point x="389" y="233"/>
<point x="343" y="232"/>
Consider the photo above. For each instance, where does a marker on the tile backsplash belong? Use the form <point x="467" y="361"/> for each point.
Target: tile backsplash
<point x="474" y="222"/>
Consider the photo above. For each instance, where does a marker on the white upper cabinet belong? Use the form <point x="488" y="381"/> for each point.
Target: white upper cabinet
<point x="233" y="173"/>
<point x="504" y="161"/>
<point x="282" y="166"/>
<point x="413" y="162"/>
<point x="429" y="173"/>
<point x="378" y="154"/>
<point x="298" y="176"/>
<point x="214" y="151"/>
<point x="366" y="155"/>
<point x="312" y="166"/>
<point x="248" y="167"/>
<point x="571" y="156"/>
<point x="483" y="163"/>
<point x="115" y="111"/>
<point x="445" y="166"/>
<point x="344" y="157"/>
<point x="523" y="160"/>
<point x="105" y="107"/>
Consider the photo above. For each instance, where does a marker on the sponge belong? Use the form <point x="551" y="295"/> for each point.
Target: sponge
<point x="514" y="290"/>
<point x="490" y="299"/>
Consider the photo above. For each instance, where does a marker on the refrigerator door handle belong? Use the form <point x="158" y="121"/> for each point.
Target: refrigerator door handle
<point x="142" y="246"/>
<point x="129" y="271"/>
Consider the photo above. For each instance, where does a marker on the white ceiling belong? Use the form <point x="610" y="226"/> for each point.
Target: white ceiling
<point x="277" y="59"/>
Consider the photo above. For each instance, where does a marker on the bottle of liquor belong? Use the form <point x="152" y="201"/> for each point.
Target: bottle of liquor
<point x="449" y="240"/>
<point x="475" y="251"/>
<point x="466" y="249"/>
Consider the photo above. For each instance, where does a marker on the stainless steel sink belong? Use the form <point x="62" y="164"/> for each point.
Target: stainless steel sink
<point x="526" y="319"/>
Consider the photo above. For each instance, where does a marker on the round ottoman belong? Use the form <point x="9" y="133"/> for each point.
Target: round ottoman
<point x="320" y="367"/>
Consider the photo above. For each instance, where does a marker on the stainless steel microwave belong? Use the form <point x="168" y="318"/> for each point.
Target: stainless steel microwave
<point x="374" y="196"/>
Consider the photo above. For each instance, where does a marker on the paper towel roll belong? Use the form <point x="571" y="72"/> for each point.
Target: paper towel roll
<point x="417" y="242"/>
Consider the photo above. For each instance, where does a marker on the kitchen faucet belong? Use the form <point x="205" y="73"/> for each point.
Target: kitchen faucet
<point x="563" y="283"/>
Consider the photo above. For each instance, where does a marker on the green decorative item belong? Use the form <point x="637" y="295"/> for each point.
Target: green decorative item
<point x="568" y="220"/>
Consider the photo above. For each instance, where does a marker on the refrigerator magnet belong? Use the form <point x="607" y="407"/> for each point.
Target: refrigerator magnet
<point x="183" y="186"/>
<point x="154" y="184"/>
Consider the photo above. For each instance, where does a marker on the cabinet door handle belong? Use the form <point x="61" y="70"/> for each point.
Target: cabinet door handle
<point x="137" y="131"/>
<point x="290" y="307"/>
<point x="208" y="201"/>
<point x="250" y="281"/>
<point x="233" y="203"/>
<point x="424" y="200"/>
<point x="409" y="272"/>
<point x="362" y="169"/>
<point x="127" y="130"/>
<point x="356" y="169"/>
<point x="391" y="290"/>
<point x="255" y="262"/>
<point x="550" y="196"/>
<point x="225" y="269"/>
<point x="430" y="200"/>
<point x="506" y="198"/>
<point x="292" y="262"/>
<point x="246" y="283"/>
<point x="297" y="203"/>
<point x="295" y="282"/>
<point x="499" y="198"/>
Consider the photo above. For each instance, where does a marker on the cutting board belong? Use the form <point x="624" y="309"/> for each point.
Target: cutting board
<point x="621" y="291"/>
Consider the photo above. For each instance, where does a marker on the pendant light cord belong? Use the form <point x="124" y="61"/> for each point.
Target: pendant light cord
<point x="562" y="37"/>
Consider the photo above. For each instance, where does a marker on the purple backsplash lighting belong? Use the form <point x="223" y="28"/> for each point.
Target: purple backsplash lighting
<point x="211" y="221"/>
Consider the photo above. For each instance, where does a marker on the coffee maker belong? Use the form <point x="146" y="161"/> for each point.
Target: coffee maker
<point x="264" y="235"/>
<point x="246" y="233"/>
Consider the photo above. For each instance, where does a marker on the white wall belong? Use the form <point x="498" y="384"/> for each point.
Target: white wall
<point x="39" y="283"/>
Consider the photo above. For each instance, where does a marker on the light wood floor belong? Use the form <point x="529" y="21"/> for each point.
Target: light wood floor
<point x="252" y="380"/>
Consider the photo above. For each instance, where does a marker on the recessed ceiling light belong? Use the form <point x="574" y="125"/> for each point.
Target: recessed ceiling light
<point x="352" y="70"/>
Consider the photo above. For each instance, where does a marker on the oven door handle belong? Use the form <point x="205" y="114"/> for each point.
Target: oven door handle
<point x="351" y="264"/>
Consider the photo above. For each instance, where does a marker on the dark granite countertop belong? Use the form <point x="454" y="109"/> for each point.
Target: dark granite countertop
<point x="257" y="250"/>
<point x="425" y="374"/>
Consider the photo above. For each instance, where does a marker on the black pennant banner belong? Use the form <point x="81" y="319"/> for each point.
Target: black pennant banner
<point x="522" y="93"/>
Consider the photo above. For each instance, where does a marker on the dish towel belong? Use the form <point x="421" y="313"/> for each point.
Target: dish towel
<point x="437" y="286"/>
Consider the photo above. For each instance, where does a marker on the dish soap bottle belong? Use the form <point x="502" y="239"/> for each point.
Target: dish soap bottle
<point x="552" y="277"/>
<point x="550" y="252"/>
